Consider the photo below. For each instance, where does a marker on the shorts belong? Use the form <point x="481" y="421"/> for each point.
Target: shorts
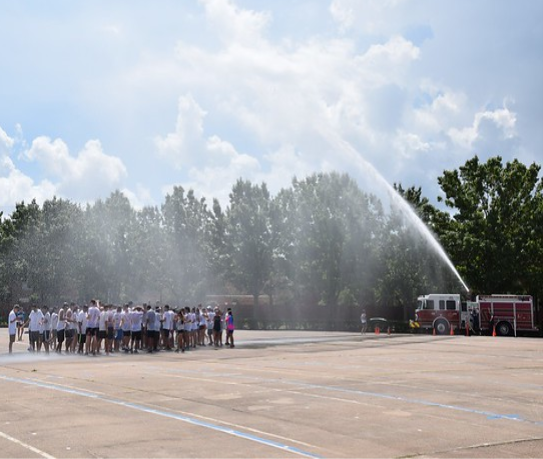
<point x="69" y="333"/>
<point x="119" y="335"/>
<point x="82" y="338"/>
<point x="11" y="338"/>
<point x="102" y="334"/>
<point x="92" y="331"/>
<point x="136" y="335"/>
<point x="110" y="333"/>
<point x="47" y="335"/>
<point x="229" y="332"/>
<point x="60" y="336"/>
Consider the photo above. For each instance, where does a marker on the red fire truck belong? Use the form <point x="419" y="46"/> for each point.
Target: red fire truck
<point x="503" y="314"/>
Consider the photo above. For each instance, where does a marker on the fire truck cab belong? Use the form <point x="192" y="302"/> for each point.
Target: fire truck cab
<point x="440" y="312"/>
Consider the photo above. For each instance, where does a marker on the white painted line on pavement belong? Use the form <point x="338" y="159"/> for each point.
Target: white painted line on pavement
<point x="26" y="445"/>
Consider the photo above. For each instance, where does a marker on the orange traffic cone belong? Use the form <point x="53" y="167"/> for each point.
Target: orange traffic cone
<point x="434" y="331"/>
<point x="494" y="331"/>
<point x="452" y="331"/>
<point x="467" y="329"/>
<point x="377" y="331"/>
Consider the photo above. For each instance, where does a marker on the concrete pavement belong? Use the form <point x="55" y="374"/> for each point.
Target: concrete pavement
<point x="280" y="394"/>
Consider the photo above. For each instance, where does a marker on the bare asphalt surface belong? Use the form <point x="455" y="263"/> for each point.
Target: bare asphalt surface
<point x="280" y="394"/>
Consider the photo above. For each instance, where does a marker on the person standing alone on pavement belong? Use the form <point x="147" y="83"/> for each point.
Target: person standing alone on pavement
<point x="363" y="322"/>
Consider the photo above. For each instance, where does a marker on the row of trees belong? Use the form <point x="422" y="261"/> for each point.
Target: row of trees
<point x="322" y="243"/>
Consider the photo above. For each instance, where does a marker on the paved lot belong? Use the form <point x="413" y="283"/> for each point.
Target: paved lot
<point x="280" y="394"/>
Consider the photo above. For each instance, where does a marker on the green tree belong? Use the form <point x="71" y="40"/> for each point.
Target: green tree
<point x="249" y="239"/>
<point x="495" y="231"/>
<point x="188" y="232"/>
<point x="107" y="271"/>
<point x="327" y="230"/>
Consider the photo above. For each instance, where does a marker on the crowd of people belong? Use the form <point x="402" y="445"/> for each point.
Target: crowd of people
<point x="94" y="328"/>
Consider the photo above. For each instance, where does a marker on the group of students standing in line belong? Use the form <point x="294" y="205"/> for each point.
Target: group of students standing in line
<point x="91" y="328"/>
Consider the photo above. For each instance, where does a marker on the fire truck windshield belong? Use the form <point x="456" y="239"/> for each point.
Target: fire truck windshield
<point x="425" y="304"/>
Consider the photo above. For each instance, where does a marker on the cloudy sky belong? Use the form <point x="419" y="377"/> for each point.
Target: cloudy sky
<point x="144" y="95"/>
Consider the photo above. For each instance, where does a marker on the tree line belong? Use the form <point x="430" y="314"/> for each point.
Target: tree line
<point x="322" y="244"/>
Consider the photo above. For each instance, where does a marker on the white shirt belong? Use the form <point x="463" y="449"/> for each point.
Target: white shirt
<point x="54" y="321"/>
<point x="82" y="320"/>
<point x="126" y="324"/>
<point x="117" y="318"/>
<point x="102" y="321"/>
<point x="61" y="320"/>
<point x="167" y="324"/>
<point x="93" y="317"/>
<point x="136" y="318"/>
<point x="35" y="319"/>
<point x="12" y="321"/>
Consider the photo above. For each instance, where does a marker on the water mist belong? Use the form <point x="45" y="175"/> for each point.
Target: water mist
<point x="407" y="211"/>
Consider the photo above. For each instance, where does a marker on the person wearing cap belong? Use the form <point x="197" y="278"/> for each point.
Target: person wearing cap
<point x="13" y="321"/>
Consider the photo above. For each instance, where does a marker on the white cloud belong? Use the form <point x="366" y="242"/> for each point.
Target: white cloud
<point x="502" y="119"/>
<point x="373" y="16"/>
<point x="266" y="92"/>
<point x="233" y="24"/>
<point x="6" y="142"/>
<point x="185" y="145"/>
<point x="87" y="176"/>
<point x="139" y="198"/>
<point x="16" y="186"/>
<point x="212" y="165"/>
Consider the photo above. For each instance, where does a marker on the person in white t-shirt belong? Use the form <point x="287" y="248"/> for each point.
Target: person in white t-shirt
<point x="45" y="330"/>
<point x="61" y="327"/>
<point x="363" y="322"/>
<point x="13" y="321"/>
<point x="54" y="323"/>
<point x="136" y="321"/>
<point x="93" y="318"/>
<point x="117" y="329"/>
<point x="34" y="320"/>
<point x="82" y="322"/>
<point x="126" y="327"/>
<point x="167" y="328"/>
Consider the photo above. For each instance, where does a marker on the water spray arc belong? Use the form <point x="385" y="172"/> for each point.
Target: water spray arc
<point x="399" y="201"/>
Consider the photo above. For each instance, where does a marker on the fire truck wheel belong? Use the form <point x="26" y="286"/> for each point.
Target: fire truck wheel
<point x="504" y="329"/>
<point x="441" y="327"/>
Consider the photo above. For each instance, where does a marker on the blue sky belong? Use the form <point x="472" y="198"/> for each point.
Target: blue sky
<point x="141" y="96"/>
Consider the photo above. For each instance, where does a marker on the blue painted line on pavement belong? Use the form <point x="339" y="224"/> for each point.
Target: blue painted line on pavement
<point x="488" y="414"/>
<point x="166" y="414"/>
